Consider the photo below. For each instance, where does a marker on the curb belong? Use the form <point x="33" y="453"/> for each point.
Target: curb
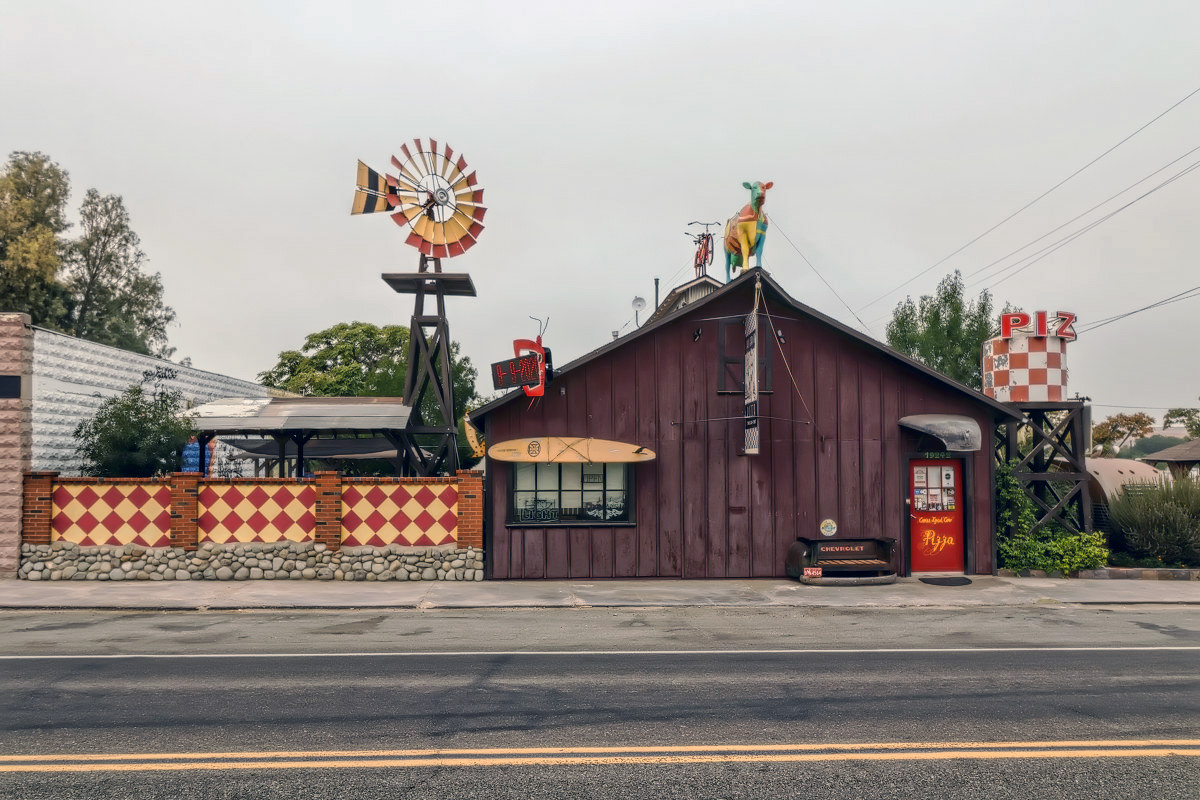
<point x="1110" y="573"/>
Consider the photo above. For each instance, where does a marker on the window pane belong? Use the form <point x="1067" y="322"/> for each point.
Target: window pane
<point x="571" y="476"/>
<point x="572" y="503"/>
<point x="593" y="504"/>
<point x="523" y="477"/>
<point x="547" y="477"/>
<point x="614" y="507"/>
<point x="593" y="476"/>
<point x="615" y="477"/>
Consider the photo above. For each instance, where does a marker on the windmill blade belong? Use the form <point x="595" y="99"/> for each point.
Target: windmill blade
<point x="448" y="154"/>
<point x="372" y="192"/>
<point x="413" y="182"/>
<point x="368" y="203"/>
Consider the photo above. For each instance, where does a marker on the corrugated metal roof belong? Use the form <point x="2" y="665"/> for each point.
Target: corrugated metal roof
<point x="316" y="414"/>
<point x="1111" y="474"/>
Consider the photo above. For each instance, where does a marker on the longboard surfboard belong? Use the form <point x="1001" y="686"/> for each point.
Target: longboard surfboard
<point x="568" y="450"/>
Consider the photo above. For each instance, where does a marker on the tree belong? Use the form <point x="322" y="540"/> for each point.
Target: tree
<point x="1189" y="418"/>
<point x="134" y="435"/>
<point x="944" y="331"/>
<point x="112" y="300"/>
<point x="358" y="359"/>
<point x="1112" y="434"/>
<point x="33" y="202"/>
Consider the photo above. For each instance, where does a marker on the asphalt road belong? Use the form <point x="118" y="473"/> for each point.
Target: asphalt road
<point x="690" y="706"/>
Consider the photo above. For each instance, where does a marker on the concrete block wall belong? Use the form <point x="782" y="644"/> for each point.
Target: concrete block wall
<point x="16" y="434"/>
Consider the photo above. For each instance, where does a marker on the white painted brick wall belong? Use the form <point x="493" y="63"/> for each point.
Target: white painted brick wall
<point x="72" y="377"/>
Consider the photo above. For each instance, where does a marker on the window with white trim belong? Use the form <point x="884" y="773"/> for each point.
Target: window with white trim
<point x="572" y="494"/>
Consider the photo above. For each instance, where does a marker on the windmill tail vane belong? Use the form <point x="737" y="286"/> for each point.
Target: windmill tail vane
<point x="431" y="194"/>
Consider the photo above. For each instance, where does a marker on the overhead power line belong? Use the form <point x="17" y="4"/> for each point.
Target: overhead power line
<point x="1031" y="202"/>
<point x="1063" y="242"/>
<point x="865" y="327"/>
<point x="1175" y="298"/>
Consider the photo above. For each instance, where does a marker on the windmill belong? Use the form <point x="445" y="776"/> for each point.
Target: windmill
<point x="439" y="202"/>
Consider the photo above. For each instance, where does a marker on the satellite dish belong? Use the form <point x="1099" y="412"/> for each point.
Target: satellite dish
<point x="638" y="305"/>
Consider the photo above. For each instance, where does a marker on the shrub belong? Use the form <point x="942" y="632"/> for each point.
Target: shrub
<point x="1161" y="522"/>
<point x="134" y="435"/>
<point x="1052" y="548"/>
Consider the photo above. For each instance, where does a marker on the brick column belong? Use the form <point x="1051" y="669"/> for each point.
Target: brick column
<point x="16" y="434"/>
<point x="185" y="509"/>
<point x="36" y="507"/>
<point x="329" y="509"/>
<point x="470" y="508"/>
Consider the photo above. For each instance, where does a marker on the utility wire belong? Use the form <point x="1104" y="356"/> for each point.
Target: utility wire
<point x="1031" y="202"/>
<point x="1185" y="295"/>
<point x="1082" y="215"/>
<point x="1092" y="225"/>
<point x="866" y="328"/>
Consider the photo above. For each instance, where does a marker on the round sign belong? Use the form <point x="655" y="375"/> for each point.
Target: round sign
<point x="828" y="527"/>
<point x="534" y="448"/>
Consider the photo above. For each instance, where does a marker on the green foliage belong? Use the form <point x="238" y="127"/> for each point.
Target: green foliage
<point x="944" y="331"/>
<point x="1051" y="548"/>
<point x="112" y="300"/>
<point x="1160" y="521"/>
<point x="1112" y="434"/>
<point x="358" y="359"/>
<point x="134" y="435"/>
<point x="1188" y="417"/>
<point x="33" y="202"/>
<point x="1150" y="444"/>
<point x="92" y="287"/>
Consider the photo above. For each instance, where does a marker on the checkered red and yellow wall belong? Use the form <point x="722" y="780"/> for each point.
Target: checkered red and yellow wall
<point x="185" y="510"/>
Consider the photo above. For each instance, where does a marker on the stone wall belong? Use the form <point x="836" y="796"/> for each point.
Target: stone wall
<point x="72" y="377"/>
<point x="16" y="432"/>
<point x="64" y="561"/>
<point x="185" y="527"/>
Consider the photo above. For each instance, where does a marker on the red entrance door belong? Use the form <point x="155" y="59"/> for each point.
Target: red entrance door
<point x="936" y="515"/>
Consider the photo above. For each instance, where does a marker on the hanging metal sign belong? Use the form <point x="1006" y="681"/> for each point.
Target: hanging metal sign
<point x="751" y="382"/>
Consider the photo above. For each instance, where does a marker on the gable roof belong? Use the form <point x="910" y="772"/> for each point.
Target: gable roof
<point x="1187" y="451"/>
<point x="768" y="282"/>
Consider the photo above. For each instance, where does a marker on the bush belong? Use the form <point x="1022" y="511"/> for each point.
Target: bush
<point x="134" y="435"/>
<point x="1160" y="522"/>
<point x="1052" y="548"/>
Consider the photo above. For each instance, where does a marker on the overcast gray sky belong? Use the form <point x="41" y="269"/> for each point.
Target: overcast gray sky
<point x="894" y="133"/>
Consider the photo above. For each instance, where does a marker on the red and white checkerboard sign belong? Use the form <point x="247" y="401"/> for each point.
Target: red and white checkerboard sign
<point x="1025" y="369"/>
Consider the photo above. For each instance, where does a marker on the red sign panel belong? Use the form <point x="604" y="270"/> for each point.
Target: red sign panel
<point x="1040" y="323"/>
<point x="520" y="371"/>
<point x="936" y="515"/>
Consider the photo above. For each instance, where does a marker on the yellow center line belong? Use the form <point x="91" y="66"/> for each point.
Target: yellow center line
<point x="599" y="760"/>
<point x="494" y="755"/>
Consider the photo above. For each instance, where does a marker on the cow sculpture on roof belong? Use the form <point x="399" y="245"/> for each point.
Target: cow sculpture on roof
<point x="746" y="231"/>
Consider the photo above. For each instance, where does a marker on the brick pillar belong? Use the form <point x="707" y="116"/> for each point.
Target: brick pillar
<point x="36" y="507"/>
<point x="470" y="508"/>
<point x="16" y="434"/>
<point x="185" y="510"/>
<point x="329" y="509"/>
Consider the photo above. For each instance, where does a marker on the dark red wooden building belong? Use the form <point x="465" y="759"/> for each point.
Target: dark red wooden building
<point x="851" y="432"/>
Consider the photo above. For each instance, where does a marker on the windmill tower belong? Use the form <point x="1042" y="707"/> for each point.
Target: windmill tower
<point x="440" y="204"/>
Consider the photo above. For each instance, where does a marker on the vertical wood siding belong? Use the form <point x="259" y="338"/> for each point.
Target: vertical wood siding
<point x="703" y="510"/>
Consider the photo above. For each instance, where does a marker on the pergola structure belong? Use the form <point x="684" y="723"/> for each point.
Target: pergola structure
<point x="343" y="426"/>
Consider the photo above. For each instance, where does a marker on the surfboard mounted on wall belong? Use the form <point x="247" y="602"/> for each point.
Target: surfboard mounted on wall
<point x="569" y="450"/>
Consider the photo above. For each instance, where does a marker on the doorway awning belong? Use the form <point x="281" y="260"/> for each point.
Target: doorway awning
<point x="956" y="432"/>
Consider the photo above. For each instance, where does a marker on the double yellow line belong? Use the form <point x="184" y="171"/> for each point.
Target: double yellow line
<point x="560" y="756"/>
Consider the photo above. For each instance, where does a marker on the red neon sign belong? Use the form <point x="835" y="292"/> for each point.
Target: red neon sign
<point x="1040" y="324"/>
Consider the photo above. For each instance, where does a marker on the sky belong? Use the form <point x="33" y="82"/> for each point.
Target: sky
<point x="894" y="133"/>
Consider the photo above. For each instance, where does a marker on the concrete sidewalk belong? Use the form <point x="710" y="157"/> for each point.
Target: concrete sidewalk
<point x="905" y="593"/>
